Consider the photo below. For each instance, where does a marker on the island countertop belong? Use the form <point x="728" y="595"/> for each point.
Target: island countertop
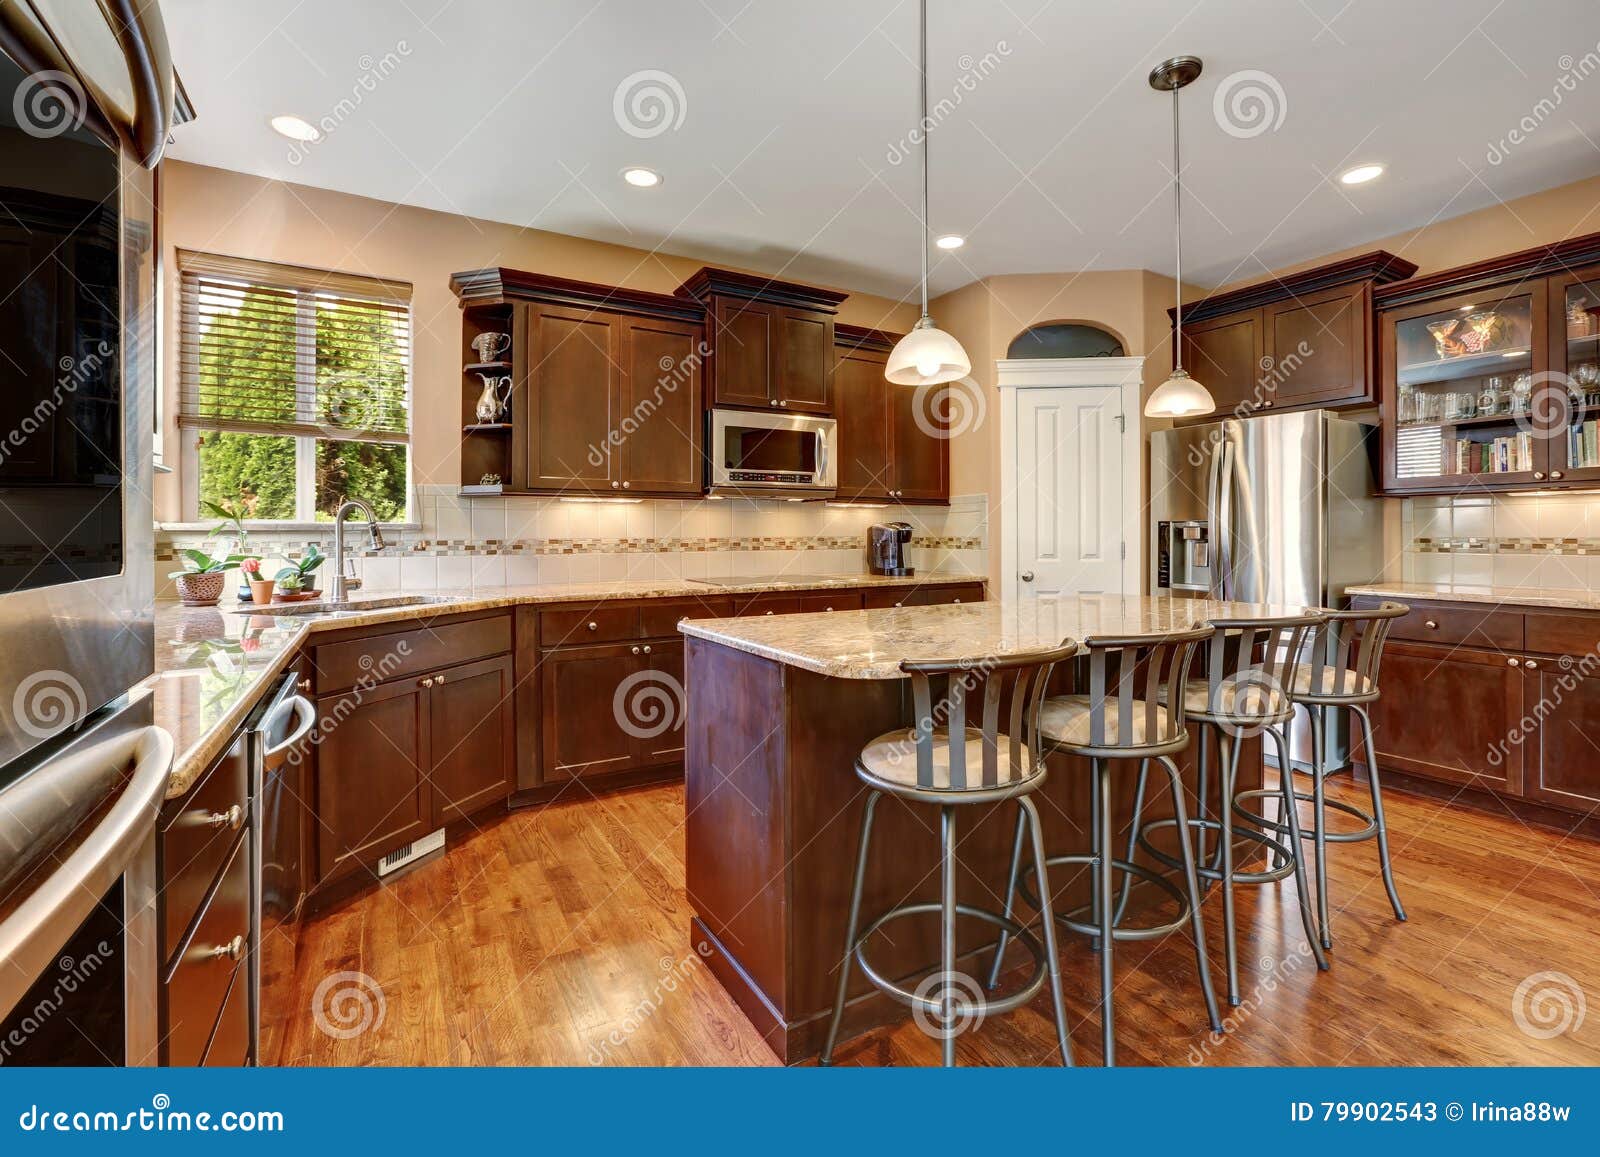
<point x="872" y="644"/>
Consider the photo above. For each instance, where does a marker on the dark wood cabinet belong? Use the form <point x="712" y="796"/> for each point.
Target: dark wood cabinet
<point x="1299" y="341"/>
<point x="573" y="391"/>
<point x="771" y="341"/>
<point x="582" y="726"/>
<point x="924" y="596"/>
<point x="890" y="446"/>
<point x="660" y="407"/>
<point x="472" y="738"/>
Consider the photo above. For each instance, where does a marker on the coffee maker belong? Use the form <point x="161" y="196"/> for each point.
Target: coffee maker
<point x="886" y="552"/>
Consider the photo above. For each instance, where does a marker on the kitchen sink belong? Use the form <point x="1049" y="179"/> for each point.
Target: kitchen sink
<point x="320" y="607"/>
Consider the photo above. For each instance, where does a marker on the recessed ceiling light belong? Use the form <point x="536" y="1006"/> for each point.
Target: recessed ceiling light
<point x="950" y="241"/>
<point x="1361" y="174"/>
<point x="641" y="178"/>
<point x="295" y="128"/>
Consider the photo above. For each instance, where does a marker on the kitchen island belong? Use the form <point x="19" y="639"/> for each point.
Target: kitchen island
<point x="777" y="711"/>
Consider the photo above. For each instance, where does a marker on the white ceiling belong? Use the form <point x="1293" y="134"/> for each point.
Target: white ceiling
<point x="1056" y="156"/>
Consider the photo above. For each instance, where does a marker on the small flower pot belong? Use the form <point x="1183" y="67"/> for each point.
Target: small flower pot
<point x="261" y="591"/>
<point x="201" y="590"/>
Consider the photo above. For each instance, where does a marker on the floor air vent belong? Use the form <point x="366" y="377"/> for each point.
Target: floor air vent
<point x="415" y="850"/>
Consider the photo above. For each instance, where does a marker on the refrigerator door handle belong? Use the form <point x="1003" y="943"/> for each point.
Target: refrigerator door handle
<point x="1218" y="449"/>
<point x="1223" y="516"/>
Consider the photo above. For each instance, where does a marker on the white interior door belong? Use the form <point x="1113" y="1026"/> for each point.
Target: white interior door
<point x="1070" y="491"/>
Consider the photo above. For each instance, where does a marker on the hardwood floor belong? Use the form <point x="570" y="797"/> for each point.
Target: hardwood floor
<point x="559" y="937"/>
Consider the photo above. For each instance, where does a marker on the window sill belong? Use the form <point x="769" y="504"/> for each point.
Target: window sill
<point x="278" y="527"/>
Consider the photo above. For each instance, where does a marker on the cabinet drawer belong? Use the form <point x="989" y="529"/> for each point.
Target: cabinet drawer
<point x="230" y="1043"/>
<point x="1467" y="624"/>
<point x="590" y="625"/>
<point x="930" y="596"/>
<point x="199" y="980"/>
<point x="845" y="600"/>
<point x="771" y="605"/>
<point x="195" y="842"/>
<point x="659" y="618"/>
<point x="1563" y="634"/>
<point x="399" y="653"/>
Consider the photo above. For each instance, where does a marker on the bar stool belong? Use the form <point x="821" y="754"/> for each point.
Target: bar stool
<point x="1343" y="672"/>
<point x="1250" y="665"/>
<point x="944" y="762"/>
<point x="1110" y="724"/>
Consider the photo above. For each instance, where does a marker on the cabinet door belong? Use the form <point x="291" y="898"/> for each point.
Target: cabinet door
<point x="920" y="445"/>
<point x="372" y="786"/>
<point x="471" y="738"/>
<point x="573" y="400"/>
<point x="587" y="729"/>
<point x="661" y="418"/>
<point x="1446" y="712"/>
<point x="1572" y="406"/>
<point x="1561" y="766"/>
<point x="1224" y="354"/>
<point x="743" y="360"/>
<point x="861" y="406"/>
<point x="659" y="719"/>
<point x="1319" y="348"/>
<point x="805" y="360"/>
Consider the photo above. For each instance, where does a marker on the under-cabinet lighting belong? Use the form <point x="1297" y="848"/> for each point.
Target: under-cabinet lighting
<point x="607" y="501"/>
<point x="1537" y="493"/>
<point x="859" y="505"/>
<point x="1515" y="354"/>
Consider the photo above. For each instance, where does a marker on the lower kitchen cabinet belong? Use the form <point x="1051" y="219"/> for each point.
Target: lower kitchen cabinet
<point x="583" y="730"/>
<point x="1561" y="763"/>
<point x="471" y="738"/>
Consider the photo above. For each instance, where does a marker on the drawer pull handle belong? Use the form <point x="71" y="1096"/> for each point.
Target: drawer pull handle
<point x="1538" y="475"/>
<point x="647" y="649"/>
<point x="771" y="612"/>
<point x="232" y="950"/>
<point x="305" y="686"/>
<point x="827" y="608"/>
<point x="233" y="818"/>
<point x="636" y="650"/>
<point x="958" y="600"/>
<point x="428" y="682"/>
<point x="1557" y="474"/>
<point x="594" y="626"/>
<point x="1532" y="665"/>
<point x="1515" y="662"/>
<point x="438" y="678"/>
<point x="1430" y="624"/>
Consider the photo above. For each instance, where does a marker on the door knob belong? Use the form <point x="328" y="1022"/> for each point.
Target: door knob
<point x="616" y="486"/>
<point x="647" y="649"/>
<point x="625" y="485"/>
<point x="636" y="650"/>
<point x="305" y="686"/>
<point x="1538" y="475"/>
<point x="1556" y="474"/>
<point x="1026" y="576"/>
<point x="1531" y="665"/>
<point x="1513" y="662"/>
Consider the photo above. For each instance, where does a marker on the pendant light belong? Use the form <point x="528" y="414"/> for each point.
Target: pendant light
<point x="1180" y="395"/>
<point x="927" y="355"/>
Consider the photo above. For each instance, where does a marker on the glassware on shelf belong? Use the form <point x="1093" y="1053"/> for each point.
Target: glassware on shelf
<point x="1522" y="394"/>
<point x="1443" y="331"/>
<point x="1580" y="317"/>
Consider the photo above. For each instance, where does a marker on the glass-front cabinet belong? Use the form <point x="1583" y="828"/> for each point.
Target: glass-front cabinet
<point x="1467" y="393"/>
<point x="1574" y="400"/>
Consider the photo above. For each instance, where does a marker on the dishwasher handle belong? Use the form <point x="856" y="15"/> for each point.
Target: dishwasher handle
<point x="306" y="713"/>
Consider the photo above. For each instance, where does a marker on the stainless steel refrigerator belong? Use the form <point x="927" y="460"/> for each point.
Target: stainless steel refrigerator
<point x="1273" y="509"/>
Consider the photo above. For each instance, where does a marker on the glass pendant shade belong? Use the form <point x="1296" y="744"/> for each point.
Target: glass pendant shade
<point x="1179" y="397"/>
<point x="926" y="356"/>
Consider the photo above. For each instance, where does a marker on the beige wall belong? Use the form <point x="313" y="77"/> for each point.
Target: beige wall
<point x="244" y="216"/>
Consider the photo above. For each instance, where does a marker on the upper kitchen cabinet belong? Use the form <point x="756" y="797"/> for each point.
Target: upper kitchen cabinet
<point x="771" y="342"/>
<point x="1294" y="342"/>
<point x="601" y="388"/>
<point x="1492" y="373"/>
<point x="891" y="447"/>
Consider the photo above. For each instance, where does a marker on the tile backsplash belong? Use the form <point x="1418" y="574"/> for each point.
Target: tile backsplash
<point x="482" y="542"/>
<point x="1549" y="541"/>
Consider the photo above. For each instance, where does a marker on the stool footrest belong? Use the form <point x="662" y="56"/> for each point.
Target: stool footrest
<point x="1366" y="833"/>
<point x="981" y="1003"/>
<point x="1139" y="872"/>
<point x="1205" y="871"/>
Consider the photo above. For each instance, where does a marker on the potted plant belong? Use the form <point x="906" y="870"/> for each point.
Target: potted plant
<point x="298" y="580"/>
<point x="200" y="581"/>
<point x="260" y="588"/>
<point x="231" y="516"/>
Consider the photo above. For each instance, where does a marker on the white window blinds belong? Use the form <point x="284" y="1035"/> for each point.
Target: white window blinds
<point x="279" y="349"/>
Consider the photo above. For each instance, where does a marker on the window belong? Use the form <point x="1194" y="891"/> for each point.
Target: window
<point x="294" y="389"/>
<point x="1064" y="340"/>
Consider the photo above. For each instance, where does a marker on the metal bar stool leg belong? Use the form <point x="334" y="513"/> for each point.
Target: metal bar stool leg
<point x="1102" y="891"/>
<point x="947" y="930"/>
<point x="1133" y="841"/>
<point x="1292" y="819"/>
<point x="1228" y="759"/>
<point x="1192" y="882"/>
<point x="1011" y="891"/>
<point x="1203" y="786"/>
<point x="1319" y="820"/>
<point x="1095" y="788"/>
<point x="1040" y="866"/>
<point x="1377" y="811"/>
<point x="850" y="932"/>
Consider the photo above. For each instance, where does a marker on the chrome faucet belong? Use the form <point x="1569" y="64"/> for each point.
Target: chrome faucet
<point x="340" y="586"/>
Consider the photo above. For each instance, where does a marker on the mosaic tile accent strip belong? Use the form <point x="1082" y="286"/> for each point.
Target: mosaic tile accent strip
<point x="1506" y="545"/>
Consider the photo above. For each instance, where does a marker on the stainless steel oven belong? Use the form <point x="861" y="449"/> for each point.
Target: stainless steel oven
<point x="762" y="455"/>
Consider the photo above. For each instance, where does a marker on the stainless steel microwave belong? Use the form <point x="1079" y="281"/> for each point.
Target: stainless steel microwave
<point x="759" y="455"/>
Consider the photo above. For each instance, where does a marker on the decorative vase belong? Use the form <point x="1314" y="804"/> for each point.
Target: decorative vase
<point x="261" y="591"/>
<point x="201" y="590"/>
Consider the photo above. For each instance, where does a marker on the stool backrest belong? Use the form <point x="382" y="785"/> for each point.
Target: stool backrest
<point x="1251" y="664"/>
<point x="1352" y="641"/>
<point x="1147" y="670"/>
<point x="1016" y="682"/>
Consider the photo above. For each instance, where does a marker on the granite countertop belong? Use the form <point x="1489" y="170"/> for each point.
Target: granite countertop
<point x="1467" y="593"/>
<point x="213" y="664"/>
<point x="871" y="644"/>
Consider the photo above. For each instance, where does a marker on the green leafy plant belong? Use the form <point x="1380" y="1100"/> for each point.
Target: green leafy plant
<point x="300" y="573"/>
<point x="199" y="562"/>
<point x="231" y="513"/>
